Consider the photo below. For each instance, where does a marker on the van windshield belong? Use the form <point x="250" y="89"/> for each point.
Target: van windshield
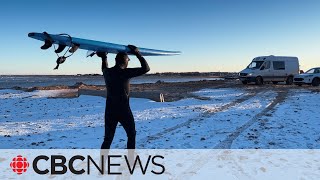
<point x="255" y="64"/>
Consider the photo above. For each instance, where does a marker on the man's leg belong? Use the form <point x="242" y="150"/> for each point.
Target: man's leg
<point x="128" y="124"/>
<point x="110" y="129"/>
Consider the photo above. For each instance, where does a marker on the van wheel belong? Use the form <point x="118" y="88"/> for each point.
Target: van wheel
<point x="289" y="80"/>
<point x="244" y="82"/>
<point x="275" y="82"/>
<point x="316" y="82"/>
<point x="259" y="80"/>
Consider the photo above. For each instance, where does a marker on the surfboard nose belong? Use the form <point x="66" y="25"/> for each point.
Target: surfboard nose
<point x="31" y="34"/>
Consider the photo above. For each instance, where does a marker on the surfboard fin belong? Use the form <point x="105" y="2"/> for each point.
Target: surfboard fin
<point x="60" y="48"/>
<point x="47" y="42"/>
<point x="74" y="48"/>
<point x="90" y="53"/>
<point x="47" y="45"/>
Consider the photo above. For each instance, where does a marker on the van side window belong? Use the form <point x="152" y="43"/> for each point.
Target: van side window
<point x="267" y="65"/>
<point x="278" y="65"/>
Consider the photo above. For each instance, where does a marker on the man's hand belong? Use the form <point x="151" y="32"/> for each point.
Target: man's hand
<point x="102" y="55"/>
<point x="134" y="50"/>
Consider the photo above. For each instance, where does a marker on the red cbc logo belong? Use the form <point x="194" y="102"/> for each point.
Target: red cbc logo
<point x="19" y="164"/>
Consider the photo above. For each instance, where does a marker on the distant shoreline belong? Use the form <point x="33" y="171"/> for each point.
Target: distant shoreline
<point x="216" y="74"/>
<point x="28" y="81"/>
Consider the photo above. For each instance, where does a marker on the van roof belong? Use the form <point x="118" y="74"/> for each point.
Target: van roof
<point x="271" y="56"/>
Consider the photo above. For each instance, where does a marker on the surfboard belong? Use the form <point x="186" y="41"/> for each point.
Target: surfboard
<point x="64" y="40"/>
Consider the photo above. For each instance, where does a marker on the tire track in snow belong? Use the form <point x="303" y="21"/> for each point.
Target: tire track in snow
<point x="226" y="144"/>
<point x="143" y="142"/>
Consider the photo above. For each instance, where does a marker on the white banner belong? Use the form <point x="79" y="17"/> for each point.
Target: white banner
<point x="159" y="164"/>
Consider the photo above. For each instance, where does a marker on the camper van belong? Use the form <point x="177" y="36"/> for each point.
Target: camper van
<point x="270" y="69"/>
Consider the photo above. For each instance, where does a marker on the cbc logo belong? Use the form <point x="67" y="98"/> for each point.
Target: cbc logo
<point x="19" y="164"/>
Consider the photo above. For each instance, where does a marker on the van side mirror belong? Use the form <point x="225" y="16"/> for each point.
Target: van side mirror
<point x="262" y="68"/>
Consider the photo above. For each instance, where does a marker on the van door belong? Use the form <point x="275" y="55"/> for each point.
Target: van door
<point x="279" y="71"/>
<point x="265" y="71"/>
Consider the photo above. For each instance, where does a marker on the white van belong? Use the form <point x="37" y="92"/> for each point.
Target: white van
<point x="270" y="68"/>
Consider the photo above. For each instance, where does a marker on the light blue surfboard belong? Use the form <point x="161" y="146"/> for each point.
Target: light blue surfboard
<point x="92" y="45"/>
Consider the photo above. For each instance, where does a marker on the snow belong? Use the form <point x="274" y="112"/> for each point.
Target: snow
<point x="294" y="124"/>
<point x="207" y="131"/>
<point x="220" y="118"/>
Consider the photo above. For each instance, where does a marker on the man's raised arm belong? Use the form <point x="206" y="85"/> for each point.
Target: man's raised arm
<point x="103" y="56"/>
<point x="144" y="65"/>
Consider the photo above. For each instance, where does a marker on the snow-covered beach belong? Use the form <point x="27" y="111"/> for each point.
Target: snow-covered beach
<point x="237" y="118"/>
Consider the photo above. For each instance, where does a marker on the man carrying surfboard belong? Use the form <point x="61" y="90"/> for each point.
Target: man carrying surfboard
<point x="117" y="104"/>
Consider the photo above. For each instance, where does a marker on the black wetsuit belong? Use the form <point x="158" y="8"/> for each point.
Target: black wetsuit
<point x="117" y="103"/>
